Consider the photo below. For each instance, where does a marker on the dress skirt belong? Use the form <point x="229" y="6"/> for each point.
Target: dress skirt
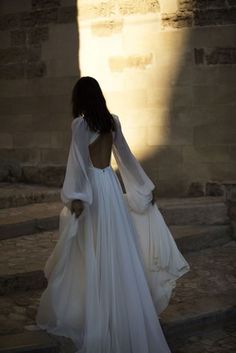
<point x="101" y="290"/>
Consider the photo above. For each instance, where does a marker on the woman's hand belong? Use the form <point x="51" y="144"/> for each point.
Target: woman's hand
<point x="77" y="207"/>
<point x="154" y="195"/>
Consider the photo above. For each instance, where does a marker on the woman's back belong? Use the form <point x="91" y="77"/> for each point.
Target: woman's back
<point x="100" y="150"/>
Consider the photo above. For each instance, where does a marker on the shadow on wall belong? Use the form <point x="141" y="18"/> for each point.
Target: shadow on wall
<point x="200" y="128"/>
<point x="39" y="65"/>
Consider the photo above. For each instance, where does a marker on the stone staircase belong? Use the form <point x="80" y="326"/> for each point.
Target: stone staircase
<point x="28" y="231"/>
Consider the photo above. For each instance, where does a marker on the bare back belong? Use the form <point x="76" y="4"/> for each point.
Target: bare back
<point x="100" y="150"/>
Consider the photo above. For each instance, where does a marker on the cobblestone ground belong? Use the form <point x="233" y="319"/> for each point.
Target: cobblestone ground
<point x="26" y="253"/>
<point x="213" y="271"/>
<point x="215" y="340"/>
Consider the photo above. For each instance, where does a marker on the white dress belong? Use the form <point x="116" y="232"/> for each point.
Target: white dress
<point x="113" y="268"/>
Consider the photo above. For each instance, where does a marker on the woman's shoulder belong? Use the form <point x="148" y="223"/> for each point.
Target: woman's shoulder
<point x="77" y="122"/>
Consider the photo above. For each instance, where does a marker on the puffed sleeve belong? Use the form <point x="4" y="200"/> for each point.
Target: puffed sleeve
<point x="76" y="183"/>
<point x="137" y="184"/>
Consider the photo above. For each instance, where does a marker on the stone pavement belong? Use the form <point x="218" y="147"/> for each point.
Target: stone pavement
<point x="214" y="340"/>
<point x="212" y="274"/>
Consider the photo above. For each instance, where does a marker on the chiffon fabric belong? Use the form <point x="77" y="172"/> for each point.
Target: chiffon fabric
<point x="113" y="268"/>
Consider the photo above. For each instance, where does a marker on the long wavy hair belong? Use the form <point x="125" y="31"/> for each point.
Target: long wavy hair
<point x="88" y="100"/>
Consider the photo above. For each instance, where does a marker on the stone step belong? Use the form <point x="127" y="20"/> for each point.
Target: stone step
<point x="30" y="342"/>
<point x="19" y="194"/>
<point x="198" y="210"/>
<point x="17" y="221"/>
<point x="23" y="220"/>
<point x="17" y="273"/>
<point x="206" y="294"/>
<point x="203" y="297"/>
<point x="197" y="237"/>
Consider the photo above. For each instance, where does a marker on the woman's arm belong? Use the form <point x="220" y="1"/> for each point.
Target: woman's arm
<point x="76" y="189"/>
<point x="139" y="187"/>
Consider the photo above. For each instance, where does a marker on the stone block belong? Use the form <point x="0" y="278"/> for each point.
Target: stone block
<point x="53" y="155"/>
<point x="215" y="36"/>
<point x="6" y="140"/>
<point x="169" y="135"/>
<point x="215" y="56"/>
<point x="60" y="139"/>
<point x="210" y="153"/>
<point x="38" y="18"/>
<point x="222" y="171"/>
<point x="95" y="10"/>
<point x="219" y="134"/>
<point x="232" y="153"/>
<point x="5" y="39"/>
<point x="42" y="4"/>
<point x="106" y="28"/>
<point x="36" y="69"/>
<point x="10" y="21"/>
<point x="134" y="61"/>
<point x="33" y="139"/>
<point x="10" y="171"/>
<point x="209" y="17"/>
<point x="38" y="35"/>
<point x="203" y="95"/>
<point x="16" y="123"/>
<point x="18" y="37"/>
<point x="215" y="189"/>
<point x="196" y="189"/>
<point x="13" y="7"/>
<point x="47" y="175"/>
<point x="168" y="6"/>
<point x="13" y="55"/>
<point x="178" y="19"/>
<point x="133" y="7"/>
<point x="67" y="14"/>
<point x="20" y="155"/>
<point x="206" y="75"/>
<point x="12" y="71"/>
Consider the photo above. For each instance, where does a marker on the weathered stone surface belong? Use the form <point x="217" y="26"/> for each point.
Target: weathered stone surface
<point x="10" y="171"/>
<point x="120" y="63"/>
<point x="34" y="70"/>
<point x="196" y="189"/>
<point x="124" y="8"/>
<point x="211" y="17"/>
<point x="215" y="56"/>
<point x="177" y="20"/>
<point x="10" y="21"/>
<point x="38" y="35"/>
<point x="19" y="194"/>
<point x="195" y="211"/>
<point x="20" y="54"/>
<point x="42" y="4"/>
<point x="12" y="71"/>
<point x="200" y="13"/>
<point x="67" y="14"/>
<point x="214" y="135"/>
<point x="48" y="175"/>
<point x="107" y="28"/>
<point x="18" y="37"/>
<point x="29" y="219"/>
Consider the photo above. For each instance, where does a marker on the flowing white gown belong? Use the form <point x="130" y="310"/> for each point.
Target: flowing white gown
<point x="113" y="269"/>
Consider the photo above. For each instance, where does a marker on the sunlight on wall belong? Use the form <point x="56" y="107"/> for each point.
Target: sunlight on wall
<point x="136" y="64"/>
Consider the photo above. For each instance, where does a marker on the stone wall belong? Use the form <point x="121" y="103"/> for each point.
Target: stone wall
<point x="39" y="44"/>
<point x="167" y="68"/>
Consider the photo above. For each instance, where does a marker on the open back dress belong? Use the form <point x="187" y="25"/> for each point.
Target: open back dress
<point x="113" y="268"/>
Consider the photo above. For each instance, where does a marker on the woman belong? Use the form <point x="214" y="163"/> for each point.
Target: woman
<point x="115" y="262"/>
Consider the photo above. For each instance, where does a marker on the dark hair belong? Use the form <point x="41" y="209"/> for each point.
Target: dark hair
<point x="88" y="100"/>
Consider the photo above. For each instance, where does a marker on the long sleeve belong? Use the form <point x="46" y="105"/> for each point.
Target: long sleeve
<point x="137" y="184"/>
<point x="76" y="183"/>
